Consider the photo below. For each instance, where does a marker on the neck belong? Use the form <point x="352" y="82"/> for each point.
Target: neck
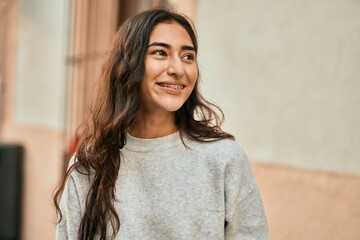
<point x="153" y="125"/>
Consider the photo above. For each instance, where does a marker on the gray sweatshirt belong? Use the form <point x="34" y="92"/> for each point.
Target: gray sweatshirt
<point x="166" y="190"/>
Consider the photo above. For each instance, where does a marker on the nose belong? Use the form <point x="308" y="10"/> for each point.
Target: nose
<point x="175" y="67"/>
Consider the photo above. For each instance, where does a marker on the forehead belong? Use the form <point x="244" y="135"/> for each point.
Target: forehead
<point x="170" y="32"/>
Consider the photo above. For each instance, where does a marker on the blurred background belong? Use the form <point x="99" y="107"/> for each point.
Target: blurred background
<point x="286" y="74"/>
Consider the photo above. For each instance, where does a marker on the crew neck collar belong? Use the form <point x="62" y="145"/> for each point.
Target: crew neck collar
<point x="152" y="144"/>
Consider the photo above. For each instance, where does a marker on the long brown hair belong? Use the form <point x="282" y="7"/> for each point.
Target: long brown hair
<point x="113" y="113"/>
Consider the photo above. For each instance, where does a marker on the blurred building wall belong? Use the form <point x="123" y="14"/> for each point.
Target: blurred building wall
<point x="287" y="75"/>
<point x="33" y="103"/>
<point x="35" y="72"/>
<point x="303" y="204"/>
<point x="42" y="41"/>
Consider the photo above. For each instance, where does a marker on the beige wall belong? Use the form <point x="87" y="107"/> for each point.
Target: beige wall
<point x="41" y="137"/>
<point x="187" y="7"/>
<point x="34" y="96"/>
<point x="303" y="204"/>
<point x="287" y="75"/>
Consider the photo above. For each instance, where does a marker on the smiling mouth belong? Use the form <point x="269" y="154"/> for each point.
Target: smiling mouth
<point x="173" y="86"/>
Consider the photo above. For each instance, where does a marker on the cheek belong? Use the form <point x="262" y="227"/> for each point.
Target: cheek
<point x="193" y="75"/>
<point x="153" y="68"/>
<point x="150" y="75"/>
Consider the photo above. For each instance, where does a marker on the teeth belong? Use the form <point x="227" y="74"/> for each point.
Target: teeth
<point x="173" y="86"/>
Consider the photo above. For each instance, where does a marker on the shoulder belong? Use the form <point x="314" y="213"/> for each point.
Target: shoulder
<point x="225" y="149"/>
<point x="79" y="177"/>
<point x="224" y="146"/>
<point x="76" y="187"/>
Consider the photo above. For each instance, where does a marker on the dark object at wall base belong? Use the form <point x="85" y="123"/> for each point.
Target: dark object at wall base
<point x="11" y="158"/>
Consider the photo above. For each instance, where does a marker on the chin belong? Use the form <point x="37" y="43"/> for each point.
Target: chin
<point x="172" y="107"/>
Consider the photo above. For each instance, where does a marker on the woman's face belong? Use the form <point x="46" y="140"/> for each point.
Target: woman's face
<point x="170" y="69"/>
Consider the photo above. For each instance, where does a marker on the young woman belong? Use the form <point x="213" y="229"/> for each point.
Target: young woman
<point x="153" y="162"/>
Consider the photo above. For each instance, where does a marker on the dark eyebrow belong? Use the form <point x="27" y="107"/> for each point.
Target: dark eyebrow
<point x="165" y="45"/>
<point x="161" y="44"/>
<point x="186" y="47"/>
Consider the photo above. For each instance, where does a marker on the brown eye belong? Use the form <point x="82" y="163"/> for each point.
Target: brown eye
<point x="159" y="52"/>
<point x="189" y="57"/>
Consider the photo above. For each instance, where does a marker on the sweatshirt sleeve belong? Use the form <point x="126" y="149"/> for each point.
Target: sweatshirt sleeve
<point x="71" y="212"/>
<point x="244" y="214"/>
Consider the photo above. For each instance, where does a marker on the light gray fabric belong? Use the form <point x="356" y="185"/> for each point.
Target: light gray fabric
<point x="168" y="191"/>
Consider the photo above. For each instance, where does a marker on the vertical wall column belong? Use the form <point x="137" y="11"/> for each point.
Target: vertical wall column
<point x="92" y="28"/>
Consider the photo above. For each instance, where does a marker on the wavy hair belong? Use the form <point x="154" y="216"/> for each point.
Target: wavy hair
<point x="113" y="114"/>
